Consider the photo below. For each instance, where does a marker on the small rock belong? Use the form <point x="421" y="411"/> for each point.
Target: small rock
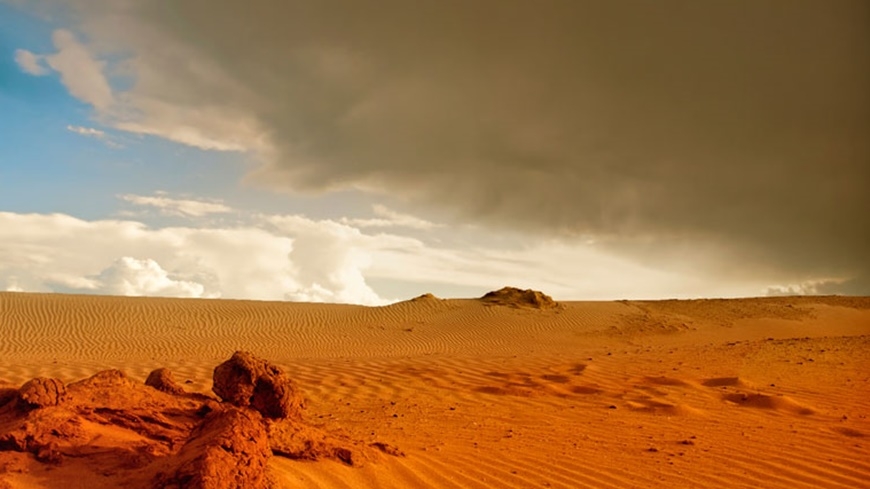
<point x="387" y="448"/>
<point x="49" y="454"/>
<point x="162" y="380"/>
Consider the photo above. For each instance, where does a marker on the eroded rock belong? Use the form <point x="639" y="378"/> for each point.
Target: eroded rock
<point x="247" y="381"/>
<point x="229" y="450"/>
<point x="129" y="434"/>
<point x="42" y="392"/>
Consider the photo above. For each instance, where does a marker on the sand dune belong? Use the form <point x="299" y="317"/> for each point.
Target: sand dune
<point x="713" y="393"/>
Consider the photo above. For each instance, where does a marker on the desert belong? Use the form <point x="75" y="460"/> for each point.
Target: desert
<point x="434" y="244"/>
<point x="511" y="390"/>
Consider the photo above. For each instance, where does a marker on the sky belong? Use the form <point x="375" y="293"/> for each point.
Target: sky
<point x="369" y="152"/>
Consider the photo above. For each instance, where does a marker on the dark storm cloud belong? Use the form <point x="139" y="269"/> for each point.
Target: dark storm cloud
<point x="653" y="125"/>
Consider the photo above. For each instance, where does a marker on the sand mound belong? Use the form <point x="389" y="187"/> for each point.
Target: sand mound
<point x="427" y="297"/>
<point x="726" y="382"/>
<point x="163" y="380"/>
<point x="128" y="434"/>
<point x="514" y="297"/>
<point x="763" y="401"/>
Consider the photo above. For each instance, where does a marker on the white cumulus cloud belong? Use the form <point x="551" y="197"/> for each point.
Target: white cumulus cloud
<point x="61" y="253"/>
<point x="135" y="277"/>
<point x="294" y="257"/>
<point x="329" y="260"/>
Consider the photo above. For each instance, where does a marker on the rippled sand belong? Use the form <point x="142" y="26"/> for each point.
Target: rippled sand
<point x="709" y="393"/>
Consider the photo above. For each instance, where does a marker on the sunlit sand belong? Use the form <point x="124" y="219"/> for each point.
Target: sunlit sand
<point x="509" y="391"/>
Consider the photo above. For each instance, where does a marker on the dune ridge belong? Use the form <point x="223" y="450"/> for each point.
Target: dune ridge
<point x="767" y="392"/>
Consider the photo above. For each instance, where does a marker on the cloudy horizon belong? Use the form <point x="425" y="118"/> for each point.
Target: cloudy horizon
<point x="336" y="151"/>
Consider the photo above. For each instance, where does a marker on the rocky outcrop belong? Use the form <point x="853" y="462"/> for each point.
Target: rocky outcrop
<point x="129" y="434"/>
<point x="518" y="298"/>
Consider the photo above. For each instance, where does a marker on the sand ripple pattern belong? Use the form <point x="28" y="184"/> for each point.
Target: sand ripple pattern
<point x="598" y="395"/>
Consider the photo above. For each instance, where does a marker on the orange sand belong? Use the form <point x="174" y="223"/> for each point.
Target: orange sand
<point x="711" y="393"/>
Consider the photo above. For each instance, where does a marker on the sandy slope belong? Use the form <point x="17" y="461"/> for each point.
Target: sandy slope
<point x="714" y="393"/>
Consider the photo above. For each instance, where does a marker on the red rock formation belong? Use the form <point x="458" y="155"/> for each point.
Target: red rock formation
<point x="135" y="435"/>
<point x="228" y="450"/>
<point x="245" y="380"/>
<point x="41" y="392"/>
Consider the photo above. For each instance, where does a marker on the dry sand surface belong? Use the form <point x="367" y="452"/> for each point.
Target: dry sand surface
<point x="511" y="391"/>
